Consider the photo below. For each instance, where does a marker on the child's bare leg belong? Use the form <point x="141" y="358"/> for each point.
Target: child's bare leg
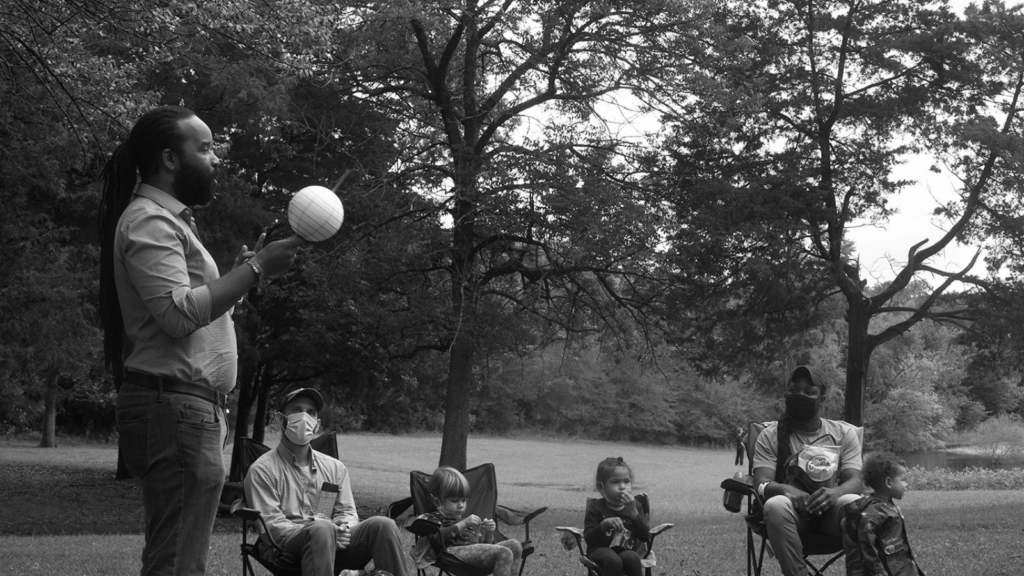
<point x="491" y="556"/>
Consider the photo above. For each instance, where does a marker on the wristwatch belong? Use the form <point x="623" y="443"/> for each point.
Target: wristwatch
<point x="255" y="268"/>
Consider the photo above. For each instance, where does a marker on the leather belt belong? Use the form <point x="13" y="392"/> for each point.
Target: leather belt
<point x="159" y="383"/>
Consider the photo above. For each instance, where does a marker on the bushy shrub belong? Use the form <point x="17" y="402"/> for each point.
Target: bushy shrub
<point x="999" y="438"/>
<point x="972" y="478"/>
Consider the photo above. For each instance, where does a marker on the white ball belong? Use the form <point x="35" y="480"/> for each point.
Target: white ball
<point x="315" y="213"/>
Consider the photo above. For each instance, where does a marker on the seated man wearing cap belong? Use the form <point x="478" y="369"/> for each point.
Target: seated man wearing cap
<point x="306" y="499"/>
<point x="806" y="468"/>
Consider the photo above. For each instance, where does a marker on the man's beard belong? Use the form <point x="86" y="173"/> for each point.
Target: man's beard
<point x="193" y="186"/>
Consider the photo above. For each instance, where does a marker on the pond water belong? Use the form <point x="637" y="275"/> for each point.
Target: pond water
<point x="930" y="460"/>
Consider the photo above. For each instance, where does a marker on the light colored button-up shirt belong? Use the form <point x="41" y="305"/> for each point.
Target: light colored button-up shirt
<point x="290" y="496"/>
<point x="161" y="271"/>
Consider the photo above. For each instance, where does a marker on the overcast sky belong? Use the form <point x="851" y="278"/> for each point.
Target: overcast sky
<point x="915" y="220"/>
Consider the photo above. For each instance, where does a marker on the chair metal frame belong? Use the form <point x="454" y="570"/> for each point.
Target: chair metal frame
<point x="648" y="558"/>
<point x="757" y="533"/>
<point x="482" y="501"/>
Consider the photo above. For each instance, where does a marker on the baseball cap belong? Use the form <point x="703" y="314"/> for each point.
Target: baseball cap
<point x="812" y="373"/>
<point x="310" y="393"/>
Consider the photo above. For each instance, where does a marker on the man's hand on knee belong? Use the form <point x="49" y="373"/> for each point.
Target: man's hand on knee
<point x="822" y="500"/>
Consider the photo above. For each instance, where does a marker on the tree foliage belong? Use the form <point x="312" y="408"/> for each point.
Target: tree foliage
<point x="510" y="257"/>
<point x="808" y="107"/>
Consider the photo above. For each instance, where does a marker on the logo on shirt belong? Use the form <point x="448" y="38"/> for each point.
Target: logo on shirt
<point x="820" y="468"/>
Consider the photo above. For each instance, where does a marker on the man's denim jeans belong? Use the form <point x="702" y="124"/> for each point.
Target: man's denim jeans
<point x="173" y="444"/>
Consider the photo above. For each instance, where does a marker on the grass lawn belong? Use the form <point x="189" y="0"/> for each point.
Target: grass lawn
<point x="63" y="514"/>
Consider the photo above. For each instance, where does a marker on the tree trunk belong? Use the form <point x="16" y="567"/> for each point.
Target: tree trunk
<point x="259" y="422"/>
<point x="455" y="438"/>
<point x="858" y="355"/>
<point x="50" y="415"/>
<point x="245" y="400"/>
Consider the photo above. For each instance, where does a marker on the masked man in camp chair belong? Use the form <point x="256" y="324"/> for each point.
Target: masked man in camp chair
<point x="305" y="498"/>
<point x="806" y="468"/>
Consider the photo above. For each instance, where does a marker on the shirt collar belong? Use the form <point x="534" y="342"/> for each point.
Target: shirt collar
<point x="289" y="457"/>
<point x="165" y="200"/>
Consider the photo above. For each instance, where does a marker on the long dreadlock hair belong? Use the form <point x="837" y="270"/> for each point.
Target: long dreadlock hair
<point x="784" y="430"/>
<point x="138" y="156"/>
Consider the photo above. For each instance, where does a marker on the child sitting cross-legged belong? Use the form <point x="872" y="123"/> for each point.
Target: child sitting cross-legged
<point x="874" y="535"/>
<point x="470" y="539"/>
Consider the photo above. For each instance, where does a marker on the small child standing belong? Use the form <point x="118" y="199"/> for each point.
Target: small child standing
<point x="459" y="536"/>
<point x="614" y="527"/>
<point x="874" y="535"/>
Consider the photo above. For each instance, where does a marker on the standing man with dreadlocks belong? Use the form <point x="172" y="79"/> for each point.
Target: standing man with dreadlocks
<point x="806" y="468"/>
<point x="168" y="334"/>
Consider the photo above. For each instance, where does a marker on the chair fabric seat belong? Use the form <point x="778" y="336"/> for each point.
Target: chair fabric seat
<point x="821" y="544"/>
<point x="482" y="501"/>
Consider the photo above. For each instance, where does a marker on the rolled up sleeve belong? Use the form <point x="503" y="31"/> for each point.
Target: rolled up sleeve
<point x="345" y="506"/>
<point x="262" y="493"/>
<point x="155" y="263"/>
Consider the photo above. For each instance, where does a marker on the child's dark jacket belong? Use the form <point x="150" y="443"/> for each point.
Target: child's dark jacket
<point x="637" y="529"/>
<point x="875" y="540"/>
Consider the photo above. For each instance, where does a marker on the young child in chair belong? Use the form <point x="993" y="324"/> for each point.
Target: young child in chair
<point x="469" y="539"/>
<point x="614" y="525"/>
<point x="874" y="537"/>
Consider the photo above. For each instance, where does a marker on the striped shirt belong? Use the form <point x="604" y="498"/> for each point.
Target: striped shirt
<point x="161" y="271"/>
<point x="290" y="496"/>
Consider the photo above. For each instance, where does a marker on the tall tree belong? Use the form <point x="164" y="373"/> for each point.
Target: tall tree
<point x="811" y="106"/>
<point x="64" y="90"/>
<point x="523" y="203"/>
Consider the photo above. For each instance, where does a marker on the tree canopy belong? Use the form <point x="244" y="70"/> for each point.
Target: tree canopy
<point x="512" y="258"/>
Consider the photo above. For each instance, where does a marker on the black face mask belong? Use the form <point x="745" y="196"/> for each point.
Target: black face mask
<point x="800" y="407"/>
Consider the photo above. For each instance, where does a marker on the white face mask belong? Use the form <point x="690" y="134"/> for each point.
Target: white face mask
<point x="300" y="428"/>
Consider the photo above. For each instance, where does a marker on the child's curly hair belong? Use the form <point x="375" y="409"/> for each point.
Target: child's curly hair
<point x="879" y="466"/>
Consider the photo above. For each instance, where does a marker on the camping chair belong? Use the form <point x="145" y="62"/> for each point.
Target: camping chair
<point x="482" y="501"/>
<point x="573" y="537"/>
<point x="272" y="557"/>
<point x="742" y="486"/>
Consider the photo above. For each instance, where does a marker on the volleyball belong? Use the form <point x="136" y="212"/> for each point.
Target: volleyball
<point x="315" y="213"/>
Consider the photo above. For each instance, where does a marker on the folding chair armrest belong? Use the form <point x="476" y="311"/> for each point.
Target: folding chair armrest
<point x="734" y="485"/>
<point x="577" y="532"/>
<point x="571" y="535"/>
<point x="653" y="533"/>
<point x="396" y="509"/>
<point x="513" y="517"/>
<point x="659" y="529"/>
<point x="422" y="526"/>
<point x="239" y="510"/>
<point x="231" y="492"/>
